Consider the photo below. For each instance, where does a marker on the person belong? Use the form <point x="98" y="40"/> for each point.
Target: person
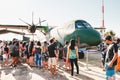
<point x="22" y="51"/>
<point x="45" y="55"/>
<point x="5" y="54"/>
<point x="38" y="49"/>
<point x="103" y="49"/>
<point x="117" y="67"/>
<point x="73" y="55"/>
<point x="52" y="56"/>
<point x="67" y="64"/>
<point x="55" y="42"/>
<point x="31" y="53"/>
<point x="111" y="58"/>
<point x="1" y="49"/>
<point x="26" y="52"/>
<point x="17" y="52"/>
<point x="60" y="49"/>
<point x="14" y="52"/>
<point x="11" y="51"/>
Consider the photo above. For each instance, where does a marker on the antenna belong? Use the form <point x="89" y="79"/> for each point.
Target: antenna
<point x="103" y="18"/>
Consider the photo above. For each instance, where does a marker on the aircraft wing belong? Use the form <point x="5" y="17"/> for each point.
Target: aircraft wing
<point x="14" y="26"/>
<point x="42" y="28"/>
<point x="7" y="31"/>
<point x="23" y="27"/>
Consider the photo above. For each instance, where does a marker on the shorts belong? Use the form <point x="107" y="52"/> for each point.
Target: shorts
<point x="110" y="71"/>
<point x="4" y="57"/>
<point x="44" y="57"/>
<point x="52" y="61"/>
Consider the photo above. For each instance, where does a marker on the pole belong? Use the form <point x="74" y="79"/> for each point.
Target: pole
<point x="103" y="18"/>
<point x="87" y="52"/>
<point x="87" y="61"/>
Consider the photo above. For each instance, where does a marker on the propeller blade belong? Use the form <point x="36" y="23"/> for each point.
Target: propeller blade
<point x="43" y="20"/>
<point x="25" y="22"/>
<point x="32" y="18"/>
<point x="40" y="22"/>
<point x="43" y="32"/>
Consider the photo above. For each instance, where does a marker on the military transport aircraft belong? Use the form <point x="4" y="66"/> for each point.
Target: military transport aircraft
<point x="79" y="30"/>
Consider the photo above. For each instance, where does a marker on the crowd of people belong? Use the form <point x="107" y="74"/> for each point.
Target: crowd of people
<point x="40" y="55"/>
<point x="47" y="54"/>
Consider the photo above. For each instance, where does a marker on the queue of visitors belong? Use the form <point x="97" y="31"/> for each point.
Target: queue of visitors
<point x="40" y="55"/>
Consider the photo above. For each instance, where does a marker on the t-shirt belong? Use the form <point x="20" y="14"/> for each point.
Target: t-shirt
<point x="65" y="51"/>
<point x="6" y="49"/>
<point x="38" y="50"/>
<point x="73" y="54"/>
<point x="111" y="51"/>
<point x="51" y="49"/>
<point x="23" y="49"/>
<point x="12" y="48"/>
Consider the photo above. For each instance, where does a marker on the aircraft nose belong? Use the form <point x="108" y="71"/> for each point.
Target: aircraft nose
<point x="88" y="36"/>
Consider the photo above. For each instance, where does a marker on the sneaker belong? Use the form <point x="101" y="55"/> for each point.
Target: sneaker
<point x="77" y="75"/>
<point x="14" y="65"/>
<point x="103" y="69"/>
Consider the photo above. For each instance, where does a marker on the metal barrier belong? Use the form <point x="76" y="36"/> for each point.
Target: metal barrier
<point x="87" y="54"/>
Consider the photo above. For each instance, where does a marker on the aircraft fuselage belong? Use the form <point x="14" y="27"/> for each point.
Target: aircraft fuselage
<point x="78" y="30"/>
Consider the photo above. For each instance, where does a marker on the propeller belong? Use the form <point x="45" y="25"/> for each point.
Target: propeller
<point x="32" y="27"/>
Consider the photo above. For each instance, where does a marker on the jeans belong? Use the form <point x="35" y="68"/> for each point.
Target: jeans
<point x="72" y="62"/>
<point x="38" y="59"/>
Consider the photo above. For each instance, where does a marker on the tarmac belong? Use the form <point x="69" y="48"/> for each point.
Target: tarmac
<point x="90" y="70"/>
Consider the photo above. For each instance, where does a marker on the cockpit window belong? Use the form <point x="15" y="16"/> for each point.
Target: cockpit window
<point x="79" y="25"/>
<point x="87" y="25"/>
<point x="82" y="24"/>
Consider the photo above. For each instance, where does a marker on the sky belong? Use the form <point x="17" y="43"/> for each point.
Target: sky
<point x="59" y="12"/>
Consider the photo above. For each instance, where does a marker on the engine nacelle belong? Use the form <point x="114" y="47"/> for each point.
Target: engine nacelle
<point x="32" y="29"/>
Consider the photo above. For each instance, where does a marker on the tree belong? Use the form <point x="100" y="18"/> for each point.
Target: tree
<point x="111" y="33"/>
